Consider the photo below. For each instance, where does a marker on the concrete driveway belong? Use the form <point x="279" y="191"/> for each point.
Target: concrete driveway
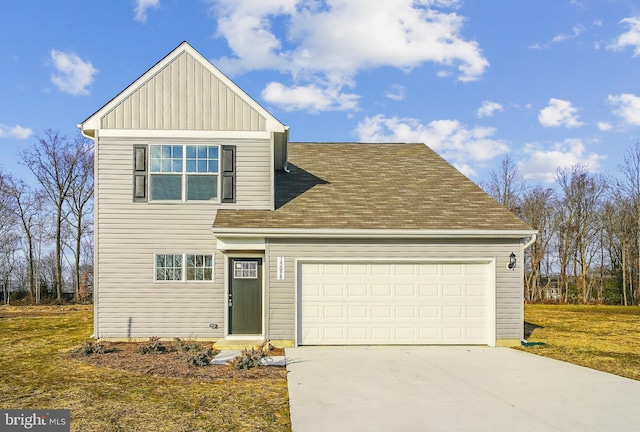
<point x="453" y="389"/>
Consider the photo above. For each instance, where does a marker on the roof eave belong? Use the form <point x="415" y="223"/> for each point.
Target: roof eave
<point x="367" y="233"/>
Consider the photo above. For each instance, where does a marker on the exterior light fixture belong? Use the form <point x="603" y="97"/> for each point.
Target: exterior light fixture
<point x="512" y="261"/>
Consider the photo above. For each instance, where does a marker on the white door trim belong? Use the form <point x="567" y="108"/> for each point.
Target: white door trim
<point x="226" y="295"/>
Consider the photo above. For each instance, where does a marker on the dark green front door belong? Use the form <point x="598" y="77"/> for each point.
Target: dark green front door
<point x="245" y="296"/>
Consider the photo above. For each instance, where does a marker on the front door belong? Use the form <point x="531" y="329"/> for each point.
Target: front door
<point x="245" y="296"/>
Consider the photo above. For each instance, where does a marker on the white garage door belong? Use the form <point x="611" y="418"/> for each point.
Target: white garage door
<point x="394" y="303"/>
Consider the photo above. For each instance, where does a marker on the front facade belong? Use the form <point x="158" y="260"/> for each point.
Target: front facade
<point x="210" y="225"/>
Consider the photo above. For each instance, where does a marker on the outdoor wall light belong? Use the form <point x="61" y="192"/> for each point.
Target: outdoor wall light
<point x="512" y="261"/>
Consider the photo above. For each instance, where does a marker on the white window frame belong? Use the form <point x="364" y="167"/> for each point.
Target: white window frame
<point x="184" y="174"/>
<point x="183" y="267"/>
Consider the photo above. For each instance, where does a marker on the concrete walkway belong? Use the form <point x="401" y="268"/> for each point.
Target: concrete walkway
<point x="453" y="389"/>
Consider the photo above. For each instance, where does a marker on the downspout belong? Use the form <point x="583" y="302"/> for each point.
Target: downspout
<point x="525" y="342"/>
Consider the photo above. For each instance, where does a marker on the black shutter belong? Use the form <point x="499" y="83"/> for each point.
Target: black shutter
<point x="228" y="174"/>
<point x="140" y="173"/>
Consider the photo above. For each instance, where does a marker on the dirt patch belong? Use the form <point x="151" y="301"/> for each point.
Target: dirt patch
<point x="174" y="364"/>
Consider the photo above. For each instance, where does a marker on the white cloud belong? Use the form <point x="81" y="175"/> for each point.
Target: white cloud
<point x="72" y="75"/>
<point x="142" y="6"/>
<point x="628" y="107"/>
<point x="541" y="164"/>
<point x="396" y="92"/>
<point x="604" y="126"/>
<point x="326" y="43"/>
<point x="457" y="143"/>
<point x="559" y="113"/>
<point x="311" y="97"/>
<point x="576" y="31"/>
<point x="16" y="131"/>
<point x="488" y="108"/>
<point x="630" y="38"/>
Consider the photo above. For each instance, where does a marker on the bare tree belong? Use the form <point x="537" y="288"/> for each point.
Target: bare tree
<point x="506" y="186"/>
<point x="79" y="201"/>
<point x="26" y="207"/>
<point x="583" y="194"/>
<point x="53" y="160"/>
<point x="628" y="189"/>
<point x="537" y="209"/>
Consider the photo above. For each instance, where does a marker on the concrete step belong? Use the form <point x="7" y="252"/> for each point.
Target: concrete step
<point x="237" y="345"/>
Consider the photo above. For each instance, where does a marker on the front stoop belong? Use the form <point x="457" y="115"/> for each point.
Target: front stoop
<point x="227" y="356"/>
<point x="237" y="345"/>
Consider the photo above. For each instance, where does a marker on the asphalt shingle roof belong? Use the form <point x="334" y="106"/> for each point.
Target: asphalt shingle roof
<point x="373" y="186"/>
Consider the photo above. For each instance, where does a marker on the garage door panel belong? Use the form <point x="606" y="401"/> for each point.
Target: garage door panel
<point x="358" y="290"/>
<point x="452" y="290"/>
<point x="429" y="290"/>
<point x="393" y="303"/>
<point x="381" y="312"/>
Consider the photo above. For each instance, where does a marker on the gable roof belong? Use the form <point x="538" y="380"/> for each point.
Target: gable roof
<point x="183" y="91"/>
<point x="373" y="187"/>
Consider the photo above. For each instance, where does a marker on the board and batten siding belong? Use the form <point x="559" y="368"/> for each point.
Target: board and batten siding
<point x="509" y="296"/>
<point x="130" y="303"/>
<point x="184" y="95"/>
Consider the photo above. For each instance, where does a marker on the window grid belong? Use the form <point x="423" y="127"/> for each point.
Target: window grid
<point x="184" y="267"/>
<point x="168" y="267"/>
<point x="199" y="267"/>
<point x="246" y="270"/>
<point x="184" y="172"/>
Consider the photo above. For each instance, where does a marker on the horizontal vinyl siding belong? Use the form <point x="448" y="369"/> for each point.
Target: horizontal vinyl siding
<point x="184" y="95"/>
<point x="509" y="297"/>
<point x="129" y="302"/>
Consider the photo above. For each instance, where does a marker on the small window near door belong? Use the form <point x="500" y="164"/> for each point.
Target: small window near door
<point x="245" y="270"/>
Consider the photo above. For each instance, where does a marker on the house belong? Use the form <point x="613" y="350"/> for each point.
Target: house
<point x="210" y="224"/>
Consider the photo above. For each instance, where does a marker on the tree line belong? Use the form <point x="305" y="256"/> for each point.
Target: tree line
<point x="587" y="248"/>
<point x="46" y="224"/>
<point x="588" y="242"/>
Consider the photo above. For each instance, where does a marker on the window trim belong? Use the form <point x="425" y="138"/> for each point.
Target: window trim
<point x="184" y="175"/>
<point x="183" y="268"/>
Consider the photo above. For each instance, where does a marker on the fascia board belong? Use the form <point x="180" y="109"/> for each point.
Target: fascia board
<point x="364" y="233"/>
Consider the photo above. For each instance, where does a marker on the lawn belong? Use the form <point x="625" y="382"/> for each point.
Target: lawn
<point x="605" y="338"/>
<point x="36" y="372"/>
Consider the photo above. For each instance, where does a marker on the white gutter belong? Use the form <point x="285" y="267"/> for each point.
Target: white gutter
<point x="531" y="241"/>
<point x="368" y="233"/>
<point x="84" y="134"/>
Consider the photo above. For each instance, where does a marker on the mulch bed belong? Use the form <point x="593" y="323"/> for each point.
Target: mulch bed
<point x="174" y="364"/>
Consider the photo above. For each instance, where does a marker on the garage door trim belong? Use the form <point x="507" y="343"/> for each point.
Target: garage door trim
<point x="491" y="295"/>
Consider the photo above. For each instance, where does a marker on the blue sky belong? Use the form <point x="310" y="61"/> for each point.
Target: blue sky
<point x="551" y="83"/>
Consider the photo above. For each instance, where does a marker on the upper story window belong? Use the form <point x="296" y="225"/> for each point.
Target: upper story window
<point x="184" y="172"/>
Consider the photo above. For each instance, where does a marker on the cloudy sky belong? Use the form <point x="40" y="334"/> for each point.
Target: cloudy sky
<point x="551" y="83"/>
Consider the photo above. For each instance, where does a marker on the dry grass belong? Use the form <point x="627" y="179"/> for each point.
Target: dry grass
<point x="36" y="371"/>
<point x="605" y="338"/>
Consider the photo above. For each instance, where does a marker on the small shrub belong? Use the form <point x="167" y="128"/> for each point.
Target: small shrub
<point x="185" y="346"/>
<point x="200" y="359"/>
<point x="89" y="348"/>
<point x="153" y="346"/>
<point x="250" y="358"/>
